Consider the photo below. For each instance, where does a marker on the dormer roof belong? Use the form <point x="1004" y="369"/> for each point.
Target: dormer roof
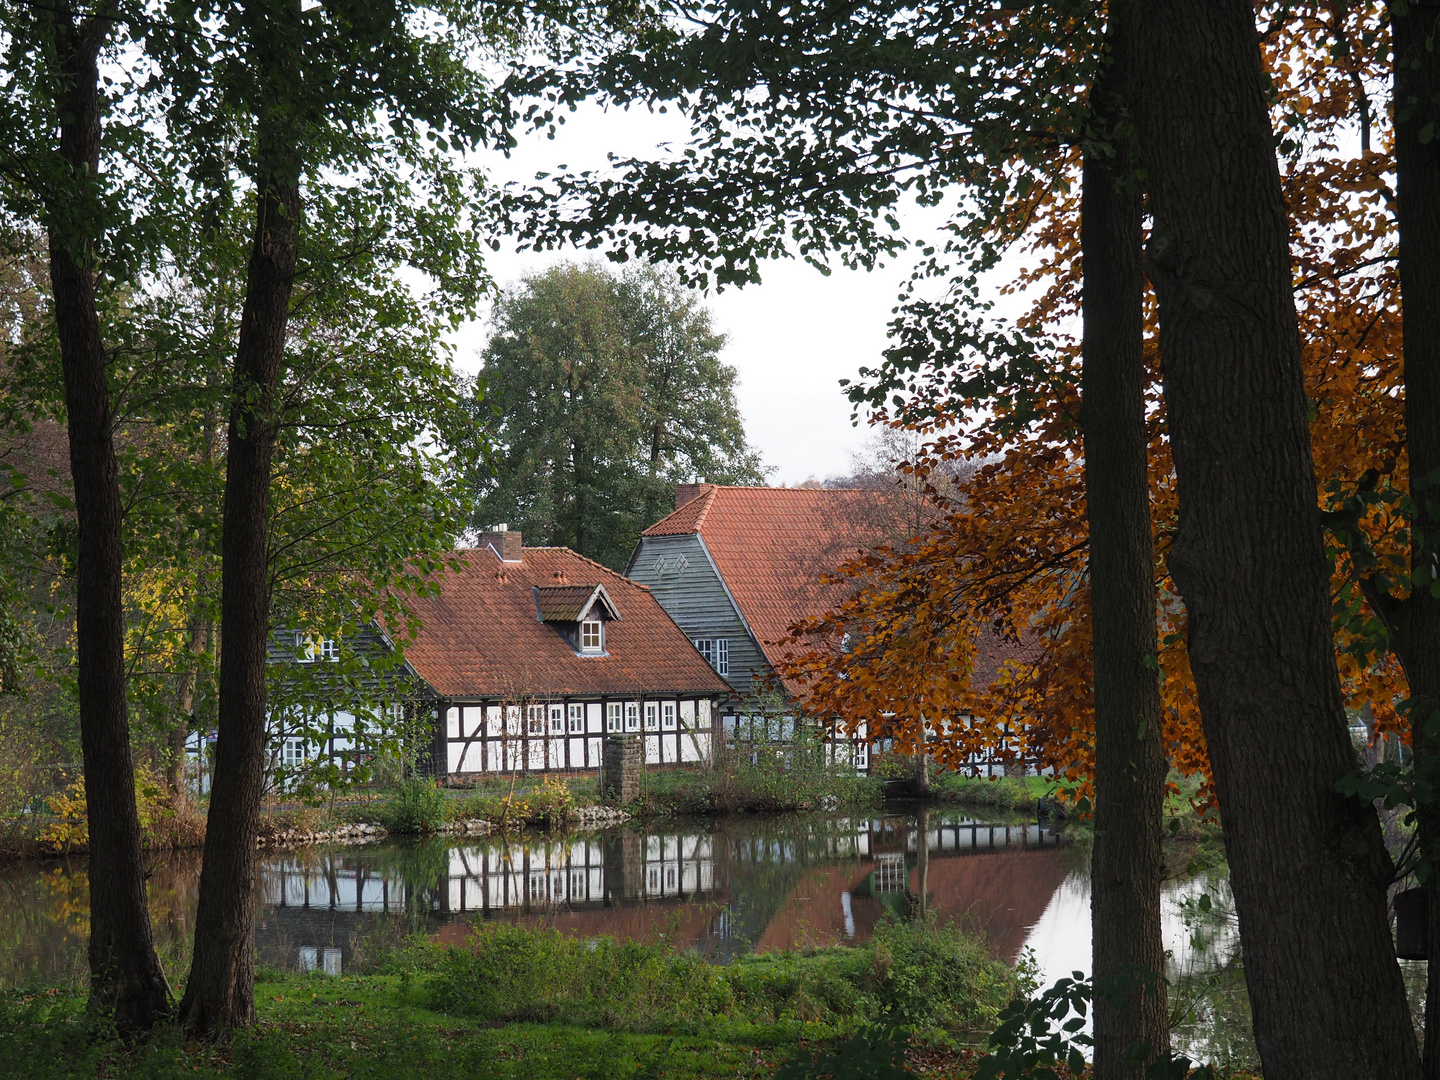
<point x="573" y="603"/>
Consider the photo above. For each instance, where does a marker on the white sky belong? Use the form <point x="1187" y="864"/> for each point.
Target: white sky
<point x="791" y="338"/>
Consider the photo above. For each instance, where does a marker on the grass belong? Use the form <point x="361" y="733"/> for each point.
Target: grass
<point x="532" y="1004"/>
<point x="362" y="1027"/>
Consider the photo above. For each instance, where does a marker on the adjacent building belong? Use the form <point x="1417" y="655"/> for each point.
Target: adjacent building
<point x="735" y="567"/>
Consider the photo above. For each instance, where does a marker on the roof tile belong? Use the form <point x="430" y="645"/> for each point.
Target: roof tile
<point x="480" y="636"/>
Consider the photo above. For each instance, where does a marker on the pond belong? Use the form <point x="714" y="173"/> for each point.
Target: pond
<point x="722" y="887"/>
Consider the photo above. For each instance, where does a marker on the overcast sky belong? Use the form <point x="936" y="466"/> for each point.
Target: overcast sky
<point x="791" y="338"/>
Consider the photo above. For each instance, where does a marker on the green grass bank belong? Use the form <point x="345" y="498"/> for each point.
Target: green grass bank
<point x="532" y="1003"/>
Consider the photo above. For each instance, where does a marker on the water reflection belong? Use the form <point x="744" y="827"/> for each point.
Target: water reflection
<point x="723" y="888"/>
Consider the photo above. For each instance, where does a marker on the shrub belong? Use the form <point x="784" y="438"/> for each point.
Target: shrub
<point x="417" y="806"/>
<point x="162" y="822"/>
<point x="917" y="975"/>
<point x="1001" y="792"/>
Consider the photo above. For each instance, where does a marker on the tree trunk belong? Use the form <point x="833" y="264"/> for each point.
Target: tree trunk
<point x="1417" y="176"/>
<point x="185" y="702"/>
<point x="220" y="993"/>
<point x="1127" y="862"/>
<point x="126" y="979"/>
<point x="1308" y="867"/>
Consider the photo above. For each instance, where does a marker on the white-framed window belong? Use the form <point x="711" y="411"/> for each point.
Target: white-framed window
<point x="557" y="719"/>
<point x="592" y="636"/>
<point x="614" y="716"/>
<point x="652" y="716"/>
<point x="669" y="720"/>
<point x="309" y="649"/>
<point x="577" y="719"/>
<point x="632" y="716"/>
<point x="292" y="753"/>
<point x="716" y="652"/>
<point x="535" y="720"/>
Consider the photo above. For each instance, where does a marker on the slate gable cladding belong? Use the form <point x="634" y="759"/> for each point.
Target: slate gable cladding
<point x="754" y="560"/>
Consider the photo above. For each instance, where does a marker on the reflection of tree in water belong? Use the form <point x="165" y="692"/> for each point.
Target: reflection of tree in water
<point x="1209" y="1005"/>
<point x="45" y="917"/>
<point x="761" y="861"/>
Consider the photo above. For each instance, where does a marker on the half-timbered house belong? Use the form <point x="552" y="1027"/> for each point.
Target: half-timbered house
<point x="533" y="654"/>
<point x="526" y="658"/>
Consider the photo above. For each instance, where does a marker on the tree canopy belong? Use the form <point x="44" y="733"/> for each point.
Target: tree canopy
<point x="601" y="392"/>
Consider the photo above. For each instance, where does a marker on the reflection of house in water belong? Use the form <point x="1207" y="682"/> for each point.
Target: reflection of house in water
<point x="726" y="892"/>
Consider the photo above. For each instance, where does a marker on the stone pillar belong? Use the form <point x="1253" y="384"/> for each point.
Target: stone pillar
<point x="621" y="776"/>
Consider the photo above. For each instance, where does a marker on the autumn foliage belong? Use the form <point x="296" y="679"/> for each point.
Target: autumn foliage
<point x="977" y="631"/>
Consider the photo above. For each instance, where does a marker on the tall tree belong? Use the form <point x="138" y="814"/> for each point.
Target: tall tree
<point x="1415" y="26"/>
<point x="54" y="141"/>
<point x="1127" y="864"/>
<point x="1308" y="866"/>
<point x="220" y="991"/>
<point x="606" y="390"/>
<point x="296" y="110"/>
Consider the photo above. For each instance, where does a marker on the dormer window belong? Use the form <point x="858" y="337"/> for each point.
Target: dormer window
<point x="579" y="613"/>
<point x="592" y="636"/>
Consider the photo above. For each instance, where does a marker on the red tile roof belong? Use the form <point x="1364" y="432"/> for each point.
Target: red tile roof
<point x="480" y="637"/>
<point x="773" y="545"/>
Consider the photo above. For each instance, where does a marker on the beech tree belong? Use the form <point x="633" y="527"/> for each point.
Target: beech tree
<point x="862" y="105"/>
<point x="1308" y="866"/>
<point x="792" y="204"/>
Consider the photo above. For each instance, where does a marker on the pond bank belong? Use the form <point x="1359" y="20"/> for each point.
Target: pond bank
<point x="542" y="997"/>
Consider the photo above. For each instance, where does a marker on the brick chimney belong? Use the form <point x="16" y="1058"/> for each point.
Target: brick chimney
<point x="502" y="541"/>
<point x="684" y="493"/>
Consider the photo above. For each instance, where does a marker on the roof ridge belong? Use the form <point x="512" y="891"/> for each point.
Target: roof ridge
<point x="585" y="558"/>
<point x="709" y="498"/>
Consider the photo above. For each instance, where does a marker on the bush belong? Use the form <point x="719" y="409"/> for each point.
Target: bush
<point x="1001" y="792"/>
<point x="417" y="806"/>
<point x="516" y="973"/>
<point x="163" y="822"/>
<point x="918" y="975"/>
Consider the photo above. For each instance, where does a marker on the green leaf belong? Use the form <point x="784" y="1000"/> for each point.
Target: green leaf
<point x="1427" y="133"/>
